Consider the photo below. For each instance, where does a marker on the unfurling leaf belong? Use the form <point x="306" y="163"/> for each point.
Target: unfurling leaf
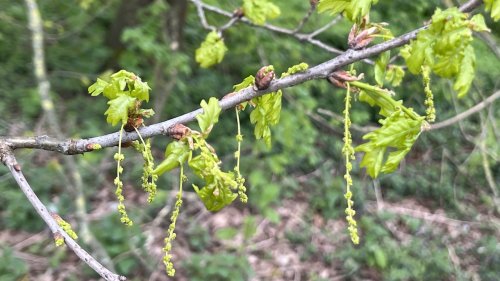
<point x="176" y="154"/>
<point x="399" y="133"/>
<point x="218" y="189"/>
<point x="215" y="198"/>
<point x="210" y="115"/>
<point x="394" y="75"/>
<point x="118" y="109"/>
<point x="259" y="11"/>
<point x="466" y="74"/>
<point x="381" y="66"/>
<point x="244" y="84"/>
<point x="266" y="114"/>
<point x="354" y="10"/>
<point x="211" y="51"/>
<point x="446" y="47"/>
<point x="493" y="6"/>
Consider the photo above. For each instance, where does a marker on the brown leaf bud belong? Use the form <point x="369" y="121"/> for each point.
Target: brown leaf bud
<point x="238" y="13"/>
<point x="339" y="77"/>
<point x="359" y="39"/>
<point x="178" y="131"/>
<point x="133" y="123"/>
<point x="17" y="167"/>
<point x="264" y="77"/>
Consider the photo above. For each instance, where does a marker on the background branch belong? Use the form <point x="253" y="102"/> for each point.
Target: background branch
<point x="475" y="109"/>
<point x="9" y="160"/>
<point x="72" y="172"/>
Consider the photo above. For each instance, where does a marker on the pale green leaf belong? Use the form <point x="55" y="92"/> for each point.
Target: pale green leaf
<point x="266" y="114"/>
<point x="478" y="23"/>
<point x="245" y="83"/>
<point x="354" y="10"/>
<point x="98" y="87"/>
<point x="493" y="6"/>
<point x="210" y="114"/>
<point x="395" y="75"/>
<point x="381" y="66"/>
<point x="398" y="133"/>
<point x="259" y="11"/>
<point x="118" y="109"/>
<point x="211" y="51"/>
<point x="466" y="73"/>
<point x="176" y="154"/>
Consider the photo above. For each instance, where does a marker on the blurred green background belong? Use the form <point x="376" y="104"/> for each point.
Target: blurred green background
<point x="436" y="218"/>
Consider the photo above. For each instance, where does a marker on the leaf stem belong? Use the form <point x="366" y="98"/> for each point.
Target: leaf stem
<point x="383" y="93"/>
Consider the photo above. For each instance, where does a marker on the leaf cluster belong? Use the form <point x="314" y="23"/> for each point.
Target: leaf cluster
<point x="125" y="92"/>
<point x="446" y="47"/>
<point x="259" y="11"/>
<point x="388" y="145"/>
<point x="217" y="191"/>
<point x="354" y="10"/>
<point x="211" y="51"/>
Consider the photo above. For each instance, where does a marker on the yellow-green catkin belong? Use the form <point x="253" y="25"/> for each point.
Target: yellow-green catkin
<point x="148" y="177"/>
<point x="59" y="239"/>
<point x="119" y="184"/>
<point x="239" y="179"/>
<point x="429" y="97"/>
<point x="348" y="152"/>
<point x="167" y="258"/>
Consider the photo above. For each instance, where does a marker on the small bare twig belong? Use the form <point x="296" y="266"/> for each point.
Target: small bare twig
<point x="71" y="170"/>
<point x="300" y="36"/>
<point x="305" y="19"/>
<point x="325" y="27"/>
<point x="475" y="109"/>
<point x="9" y="160"/>
<point x="201" y="15"/>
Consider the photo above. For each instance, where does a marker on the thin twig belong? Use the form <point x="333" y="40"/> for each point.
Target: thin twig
<point x="230" y="23"/>
<point x="9" y="160"/>
<point x="325" y="27"/>
<point x="300" y="36"/>
<point x="475" y="109"/>
<point x="305" y="19"/>
<point x="201" y="15"/>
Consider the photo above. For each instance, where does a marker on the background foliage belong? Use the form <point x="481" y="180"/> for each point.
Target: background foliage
<point x="440" y="216"/>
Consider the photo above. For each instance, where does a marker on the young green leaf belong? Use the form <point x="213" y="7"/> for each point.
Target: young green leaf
<point x="119" y="108"/>
<point x="354" y="10"/>
<point x="140" y="90"/>
<point x="478" y="24"/>
<point x="210" y="115"/>
<point x="211" y="51"/>
<point x="266" y="114"/>
<point x="295" y="69"/>
<point x="259" y="11"/>
<point x="398" y="132"/>
<point x="493" y="6"/>
<point x="394" y="75"/>
<point x="381" y="66"/>
<point x="446" y="47"/>
<point x="466" y="73"/>
<point x="98" y="87"/>
<point x="215" y="198"/>
<point x="244" y="84"/>
<point x="176" y="154"/>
